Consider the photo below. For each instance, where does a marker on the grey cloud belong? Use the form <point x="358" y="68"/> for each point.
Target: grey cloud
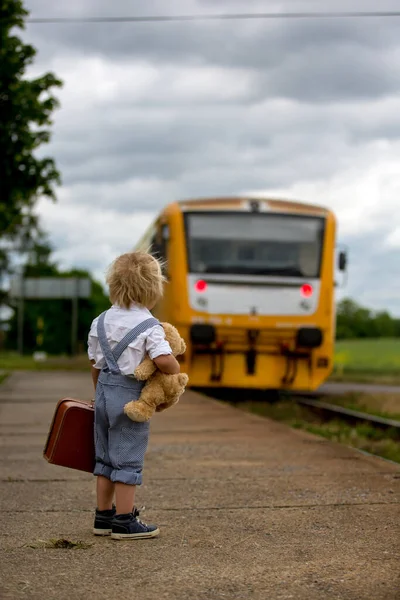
<point x="312" y="107"/>
<point x="313" y="60"/>
<point x="262" y="146"/>
<point x="275" y="162"/>
<point x="371" y="269"/>
<point x="332" y="73"/>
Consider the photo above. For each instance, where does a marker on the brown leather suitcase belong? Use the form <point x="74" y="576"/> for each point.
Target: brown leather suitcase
<point x="70" y="442"/>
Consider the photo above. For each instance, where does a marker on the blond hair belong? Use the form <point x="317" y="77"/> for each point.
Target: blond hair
<point x="135" y="278"/>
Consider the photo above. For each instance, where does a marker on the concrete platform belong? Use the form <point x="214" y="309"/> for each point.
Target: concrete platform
<point x="248" y="508"/>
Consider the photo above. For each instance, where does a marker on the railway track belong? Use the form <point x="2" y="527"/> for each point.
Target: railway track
<point x="331" y="411"/>
<point x="312" y="402"/>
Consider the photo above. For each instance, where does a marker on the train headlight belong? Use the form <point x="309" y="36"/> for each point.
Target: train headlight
<point x="306" y="290"/>
<point x="200" y="285"/>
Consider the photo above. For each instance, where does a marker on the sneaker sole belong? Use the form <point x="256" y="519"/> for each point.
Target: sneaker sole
<point x="135" y="536"/>
<point x="102" y="531"/>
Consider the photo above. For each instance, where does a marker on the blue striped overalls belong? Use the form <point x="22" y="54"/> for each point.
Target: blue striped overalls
<point x="120" y="443"/>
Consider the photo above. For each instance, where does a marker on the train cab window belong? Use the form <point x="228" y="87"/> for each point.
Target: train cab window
<point x="255" y="244"/>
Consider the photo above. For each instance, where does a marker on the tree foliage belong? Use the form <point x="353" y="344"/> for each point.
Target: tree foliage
<point x="26" y="106"/>
<point x="355" y="321"/>
<point x="55" y="315"/>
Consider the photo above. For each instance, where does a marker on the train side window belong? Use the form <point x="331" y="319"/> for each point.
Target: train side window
<point x="159" y="246"/>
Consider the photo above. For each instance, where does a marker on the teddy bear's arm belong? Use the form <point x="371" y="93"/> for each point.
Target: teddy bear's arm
<point x="145" y="370"/>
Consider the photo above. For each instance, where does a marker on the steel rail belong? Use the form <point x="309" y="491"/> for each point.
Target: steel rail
<point x="351" y="416"/>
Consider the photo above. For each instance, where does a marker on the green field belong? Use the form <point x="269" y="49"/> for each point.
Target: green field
<point x="368" y="358"/>
<point x="363" y="359"/>
<point x="10" y="361"/>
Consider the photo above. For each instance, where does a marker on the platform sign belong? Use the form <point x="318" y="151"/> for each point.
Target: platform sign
<point x="50" y="288"/>
<point x="47" y="288"/>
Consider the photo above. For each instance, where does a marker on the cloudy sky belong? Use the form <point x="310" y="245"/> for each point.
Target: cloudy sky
<point x="153" y="112"/>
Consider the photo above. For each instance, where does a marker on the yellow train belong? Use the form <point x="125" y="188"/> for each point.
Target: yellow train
<point x="250" y="286"/>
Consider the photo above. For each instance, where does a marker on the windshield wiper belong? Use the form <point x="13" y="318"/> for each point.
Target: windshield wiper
<point x="243" y="270"/>
<point x="288" y="271"/>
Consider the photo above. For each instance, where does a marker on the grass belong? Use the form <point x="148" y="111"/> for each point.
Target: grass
<point x="3" y="377"/>
<point x="364" y="436"/>
<point x="368" y="360"/>
<point x="382" y="405"/>
<point x="11" y="361"/>
<point x="360" y="377"/>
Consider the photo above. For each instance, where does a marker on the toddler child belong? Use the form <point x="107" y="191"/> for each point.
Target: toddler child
<point x="118" y="341"/>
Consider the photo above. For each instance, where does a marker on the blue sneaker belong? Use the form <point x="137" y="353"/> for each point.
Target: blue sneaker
<point x="103" y="521"/>
<point x="130" y="527"/>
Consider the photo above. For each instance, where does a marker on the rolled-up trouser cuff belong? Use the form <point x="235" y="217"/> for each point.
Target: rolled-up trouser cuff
<point x="102" y="469"/>
<point x="128" y="477"/>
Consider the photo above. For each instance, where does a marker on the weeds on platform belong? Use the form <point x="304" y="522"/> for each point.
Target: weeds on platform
<point x="3" y="377"/>
<point x="364" y="436"/>
<point x="365" y="377"/>
<point x="61" y="543"/>
<point x="381" y="405"/>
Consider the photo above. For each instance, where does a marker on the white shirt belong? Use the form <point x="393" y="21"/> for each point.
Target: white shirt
<point x="117" y="323"/>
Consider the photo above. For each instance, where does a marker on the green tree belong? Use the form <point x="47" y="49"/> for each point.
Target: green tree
<point x="355" y="321"/>
<point x="384" y="325"/>
<point x="345" y="316"/>
<point x="53" y="318"/>
<point x="26" y="106"/>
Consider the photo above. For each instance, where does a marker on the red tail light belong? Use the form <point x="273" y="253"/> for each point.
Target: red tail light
<point x="306" y="290"/>
<point x="200" y="285"/>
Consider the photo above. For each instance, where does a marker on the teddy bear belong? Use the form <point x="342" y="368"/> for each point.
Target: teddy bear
<point x="160" y="390"/>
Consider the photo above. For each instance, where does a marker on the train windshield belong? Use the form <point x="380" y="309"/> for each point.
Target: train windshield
<point x="255" y="244"/>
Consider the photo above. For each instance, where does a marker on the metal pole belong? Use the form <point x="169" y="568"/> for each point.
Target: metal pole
<point x="74" y="330"/>
<point x="21" y="318"/>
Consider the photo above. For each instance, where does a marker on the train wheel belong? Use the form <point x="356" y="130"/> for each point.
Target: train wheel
<point x="272" y="396"/>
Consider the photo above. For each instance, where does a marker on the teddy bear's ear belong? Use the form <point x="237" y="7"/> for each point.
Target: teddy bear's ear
<point x="183" y="346"/>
